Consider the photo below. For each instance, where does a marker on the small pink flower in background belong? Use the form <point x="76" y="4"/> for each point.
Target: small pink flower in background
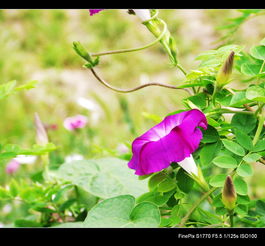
<point x="94" y="11"/>
<point x="12" y="166"/>
<point x="72" y="123"/>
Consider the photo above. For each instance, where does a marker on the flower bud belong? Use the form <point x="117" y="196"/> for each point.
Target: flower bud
<point x="168" y="42"/>
<point x="229" y="194"/>
<point x="143" y="14"/>
<point x="41" y="135"/>
<point x="80" y="50"/>
<point x="225" y="71"/>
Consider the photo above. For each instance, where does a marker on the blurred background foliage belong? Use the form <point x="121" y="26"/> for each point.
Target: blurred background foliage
<point x="37" y="45"/>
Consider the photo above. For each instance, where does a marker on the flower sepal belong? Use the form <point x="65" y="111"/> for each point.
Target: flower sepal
<point x="199" y="179"/>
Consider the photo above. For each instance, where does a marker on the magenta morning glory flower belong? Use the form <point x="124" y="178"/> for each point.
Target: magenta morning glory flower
<point x="172" y="140"/>
<point x="94" y="11"/>
<point x="72" y="123"/>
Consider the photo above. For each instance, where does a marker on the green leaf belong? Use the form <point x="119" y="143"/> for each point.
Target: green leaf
<point x="121" y="212"/>
<point x="7" y="88"/>
<point x="252" y="157"/>
<point x="240" y="186"/>
<point x="184" y="181"/>
<point x="166" y="185"/>
<point x="238" y="99"/>
<point x="233" y="147"/>
<point x="208" y="152"/>
<point x="242" y="199"/>
<point x="13" y="188"/>
<point x="259" y="146"/>
<point x="4" y="194"/>
<point x="29" y="85"/>
<point x="217" y="180"/>
<point x="260" y="207"/>
<point x="199" y="100"/>
<point x="155" y="197"/>
<point x="241" y="210"/>
<point x="27" y="223"/>
<point x="243" y="139"/>
<point x="225" y="161"/>
<point x="221" y="210"/>
<point x="244" y="170"/>
<point x="258" y="52"/>
<point x="212" y="122"/>
<point x="210" y="135"/>
<point x="105" y="178"/>
<point x="156" y="179"/>
<point x="255" y="93"/>
<point x="244" y="123"/>
<point x="85" y="198"/>
<point x="250" y="69"/>
<point x="262" y="42"/>
<point x="61" y="191"/>
<point x="217" y="201"/>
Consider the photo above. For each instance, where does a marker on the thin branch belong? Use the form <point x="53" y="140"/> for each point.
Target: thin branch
<point x="207" y="194"/>
<point x="106" y="84"/>
<point x="134" y="49"/>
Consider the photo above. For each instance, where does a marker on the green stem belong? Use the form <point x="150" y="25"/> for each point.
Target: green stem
<point x="262" y="66"/>
<point x="181" y="69"/>
<point x="221" y="110"/>
<point x="259" y="129"/>
<point x="134" y="49"/>
<point x="136" y="88"/>
<point x="231" y="217"/>
<point x="207" y="194"/>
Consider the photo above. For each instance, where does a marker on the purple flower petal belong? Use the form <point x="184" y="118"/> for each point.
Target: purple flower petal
<point x="172" y="140"/>
<point x="94" y="11"/>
